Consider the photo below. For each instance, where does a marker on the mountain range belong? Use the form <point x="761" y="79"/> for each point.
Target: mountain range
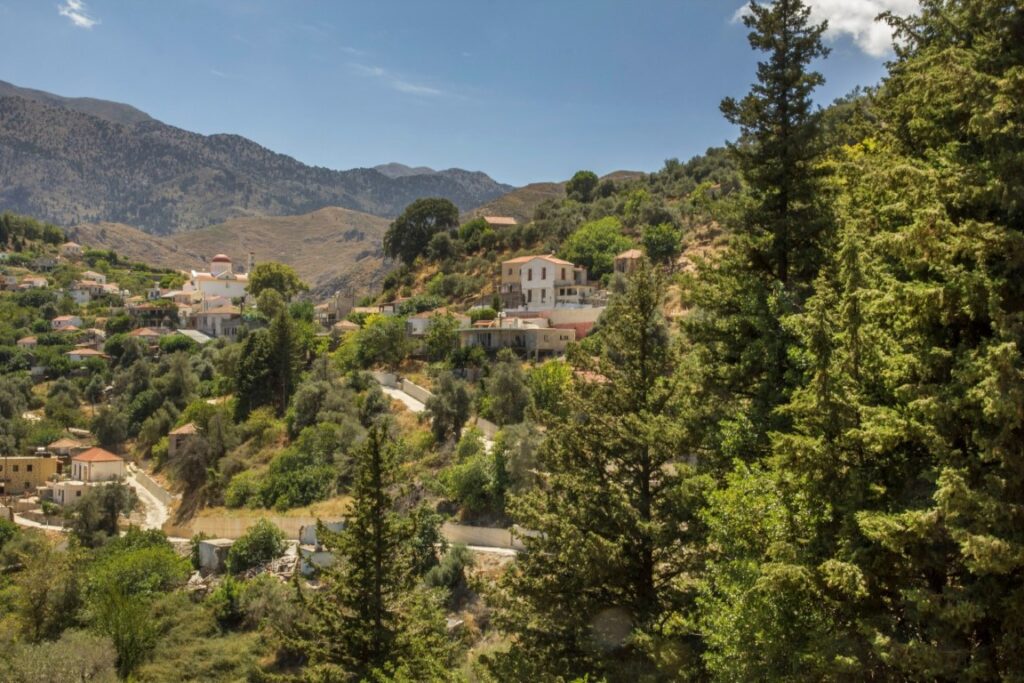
<point x="83" y="160"/>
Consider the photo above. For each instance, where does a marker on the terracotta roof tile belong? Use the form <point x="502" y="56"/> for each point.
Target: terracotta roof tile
<point x="96" y="455"/>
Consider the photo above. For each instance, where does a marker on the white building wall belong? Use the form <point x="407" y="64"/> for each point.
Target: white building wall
<point x="229" y="289"/>
<point x="537" y="279"/>
<point x="97" y="471"/>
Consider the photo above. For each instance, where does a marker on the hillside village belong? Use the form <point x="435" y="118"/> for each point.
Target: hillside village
<point x="87" y="327"/>
<point x="755" y="416"/>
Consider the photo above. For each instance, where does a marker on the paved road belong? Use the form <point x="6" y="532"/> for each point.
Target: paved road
<point x="156" y="513"/>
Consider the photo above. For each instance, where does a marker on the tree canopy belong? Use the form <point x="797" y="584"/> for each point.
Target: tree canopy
<point x="410" y="234"/>
<point x="277" y="276"/>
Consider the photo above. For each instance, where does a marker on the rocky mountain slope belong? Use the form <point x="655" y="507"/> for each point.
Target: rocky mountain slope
<point x="115" y="112"/>
<point x="73" y="161"/>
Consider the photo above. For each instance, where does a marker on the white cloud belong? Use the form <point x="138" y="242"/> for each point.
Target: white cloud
<point x="75" y="11"/>
<point x="856" y="18"/>
<point x="394" y="81"/>
<point x="415" y="89"/>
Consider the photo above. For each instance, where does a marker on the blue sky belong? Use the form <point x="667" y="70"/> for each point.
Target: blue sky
<point x="526" y="90"/>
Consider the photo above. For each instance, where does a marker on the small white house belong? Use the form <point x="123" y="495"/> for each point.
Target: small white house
<point x="68" y="492"/>
<point x="95" y="465"/>
<point x="65" y="322"/>
<point x="93" y="276"/>
<point x="84" y="353"/>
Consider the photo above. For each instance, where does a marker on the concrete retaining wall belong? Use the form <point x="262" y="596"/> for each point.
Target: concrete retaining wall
<point x="480" y="535"/>
<point x="159" y="492"/>
<point x="387" y="379"/>
<point x="416" y="391"/>
<point x="39" y="517"/>
<point x="234" y="527"/>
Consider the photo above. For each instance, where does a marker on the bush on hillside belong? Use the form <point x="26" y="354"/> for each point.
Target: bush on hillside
<point x="257" y="546"/>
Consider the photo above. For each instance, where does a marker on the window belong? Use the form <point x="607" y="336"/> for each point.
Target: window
<point x="28" y="468"/>
<point x="529" y="295"/>
<point x="543" y="295"/>
<point x="15" y="468"/>
<point x="544" y="273"/>
<point x="78" y="494"/>
<point x="563" y="273"/>
<point x="529" y="274"/>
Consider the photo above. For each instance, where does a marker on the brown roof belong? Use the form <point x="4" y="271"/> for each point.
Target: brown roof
<point x="86" y="352"/>
<point x="28" y="340"/>
<point x="96" y="455"/>
<point x="631" y="253"/>
<point x="500" y="220"/>
<point x="144" y="332"/>
<point x="345" y="325"/>
<point x="223" y="310"/>
<point x="65" y="443"/>
<point x="547" y="257"/>
<point x="220" y="258"/>
<point x="185" y="430"/>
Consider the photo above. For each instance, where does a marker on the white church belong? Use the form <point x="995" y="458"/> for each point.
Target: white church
<point x="218" y="286"/>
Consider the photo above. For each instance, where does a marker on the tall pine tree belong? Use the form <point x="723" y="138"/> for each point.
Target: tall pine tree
<point x="891" y="540"/>
<point x="780" y="230"/>
<point x="605" y="583"/>
<point x="369" y="619"/>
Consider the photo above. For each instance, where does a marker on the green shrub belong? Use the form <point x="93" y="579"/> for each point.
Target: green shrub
<point x="193" y="553"/>
<point x="8" y="530"/>
<point x="260" y="544"/>
<point x="265" y="599"/>
<point x="224" y="602"/>
<point x="245" y="490"/>
<point x="470" y="483"/>
<point x="451" y="572"/>
<point x="173" y="343"/>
